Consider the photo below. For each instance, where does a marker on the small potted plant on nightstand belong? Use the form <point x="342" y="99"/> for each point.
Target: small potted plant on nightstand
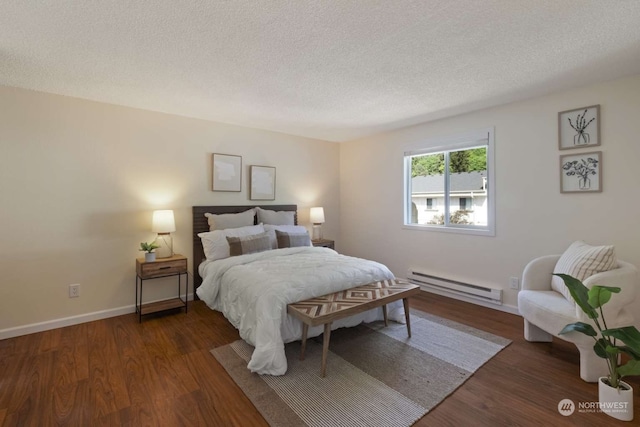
<point x="615" y="395"/>
<point x="148" y="248"/>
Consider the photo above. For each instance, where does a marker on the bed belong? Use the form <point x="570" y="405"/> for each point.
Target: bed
<point x="252" y="290"/>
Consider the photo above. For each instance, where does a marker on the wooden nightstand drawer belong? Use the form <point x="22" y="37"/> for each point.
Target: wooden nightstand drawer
<point x="323" y="243"/>
<point x="162" y="267"/>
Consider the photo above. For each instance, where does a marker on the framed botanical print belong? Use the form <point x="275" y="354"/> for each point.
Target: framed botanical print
<point x="579" y="128"/>
<point x="581" y="173"/>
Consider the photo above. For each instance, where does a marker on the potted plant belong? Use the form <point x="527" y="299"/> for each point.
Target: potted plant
<point x="149" y="256"/>
<point x="615" y="395"/>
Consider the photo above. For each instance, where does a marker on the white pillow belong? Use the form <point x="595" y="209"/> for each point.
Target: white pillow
<point x="275" y="217"/>
<point x="224" y="221"/>
<point x="271" y="229"/>
<point x="215" y="243"/>
<point x="581" y="261"/>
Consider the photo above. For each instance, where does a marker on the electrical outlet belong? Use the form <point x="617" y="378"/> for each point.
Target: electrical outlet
<point x="74" y="291"/>
<point x="514" y="283"/>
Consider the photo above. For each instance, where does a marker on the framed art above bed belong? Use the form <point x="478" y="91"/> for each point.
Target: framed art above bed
<point x="262" y="183"/>
<point x="227" y="172"/>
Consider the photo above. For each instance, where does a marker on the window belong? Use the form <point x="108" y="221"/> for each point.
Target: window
<point x="448" y="187"/>
<point x="463" y="203"/>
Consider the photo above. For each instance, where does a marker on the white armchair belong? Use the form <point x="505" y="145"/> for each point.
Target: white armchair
<point x="546" y="311"/>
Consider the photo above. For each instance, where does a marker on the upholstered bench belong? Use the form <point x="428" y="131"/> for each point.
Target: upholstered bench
<point x="338" y="305"/>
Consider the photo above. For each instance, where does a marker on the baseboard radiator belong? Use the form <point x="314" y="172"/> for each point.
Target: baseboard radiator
<point x="429" y="281"/>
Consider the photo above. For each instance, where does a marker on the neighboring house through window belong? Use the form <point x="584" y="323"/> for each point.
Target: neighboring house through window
<point x="448" y="185"/>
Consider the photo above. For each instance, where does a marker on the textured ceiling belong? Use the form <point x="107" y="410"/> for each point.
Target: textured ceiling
<point x="334" y="70"/>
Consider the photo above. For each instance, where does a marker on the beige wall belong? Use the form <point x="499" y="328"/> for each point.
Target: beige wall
<point x="79" y="181"/>
<point x="533" y="218"/>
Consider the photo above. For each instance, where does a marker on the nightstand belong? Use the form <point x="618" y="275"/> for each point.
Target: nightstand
<point x="163" y="267"/>
<point x="324" y="243"/>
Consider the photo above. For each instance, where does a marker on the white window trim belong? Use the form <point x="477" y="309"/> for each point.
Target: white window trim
<point x="453" y="143"/>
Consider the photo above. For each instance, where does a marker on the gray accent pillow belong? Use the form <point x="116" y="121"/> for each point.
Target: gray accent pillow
<point x="249" y="244"/>
<point x="275" y="217"/>
<point x="292" y="240"/>
<point x="271" y="229"/>
<point x="224" y="221"/>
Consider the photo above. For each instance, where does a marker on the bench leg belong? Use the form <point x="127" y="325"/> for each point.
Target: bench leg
<point x="405" y="301"/>
<point x="305" y="329"/>
<point x="325" y="348"/>
<point x="384" y="314"/>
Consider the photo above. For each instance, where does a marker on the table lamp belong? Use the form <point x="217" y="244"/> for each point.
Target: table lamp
<point x="163" y="224"/>
<point x="317" y="218"/>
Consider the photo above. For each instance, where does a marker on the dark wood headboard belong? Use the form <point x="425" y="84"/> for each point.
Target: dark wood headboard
<point x="201" y="225"/>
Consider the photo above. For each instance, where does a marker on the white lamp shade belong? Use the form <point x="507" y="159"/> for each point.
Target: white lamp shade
<point x="163" y="222"/>
<point x="317" y="215"/>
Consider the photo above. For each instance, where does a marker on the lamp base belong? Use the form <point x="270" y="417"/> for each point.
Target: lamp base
<point x="165" y="243"/>
<point x="317" y="232"/>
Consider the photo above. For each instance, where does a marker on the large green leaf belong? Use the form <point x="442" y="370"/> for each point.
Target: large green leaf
<point x="600" y="348"/>
<point x="582" y="327"/>
<point x="632" y="367"/>
<point x="580" y="294"/>
<point x="628" y="335"/>
<point x="631" y="352"/>
<point x="600" y="295"/>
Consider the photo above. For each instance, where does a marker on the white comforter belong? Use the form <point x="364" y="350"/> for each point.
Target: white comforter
<point x="253" y="291"/>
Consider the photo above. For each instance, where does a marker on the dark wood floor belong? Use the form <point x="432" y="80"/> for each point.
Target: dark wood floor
<point x="118" y="372"/>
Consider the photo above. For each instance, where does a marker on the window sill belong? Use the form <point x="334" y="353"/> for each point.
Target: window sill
<point x="457" y="230"/>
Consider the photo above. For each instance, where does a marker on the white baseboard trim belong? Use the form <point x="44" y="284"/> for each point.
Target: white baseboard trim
<point x="69" y="321"/>
<point x="504" y="307"/>
<point x="104" y="314"/>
